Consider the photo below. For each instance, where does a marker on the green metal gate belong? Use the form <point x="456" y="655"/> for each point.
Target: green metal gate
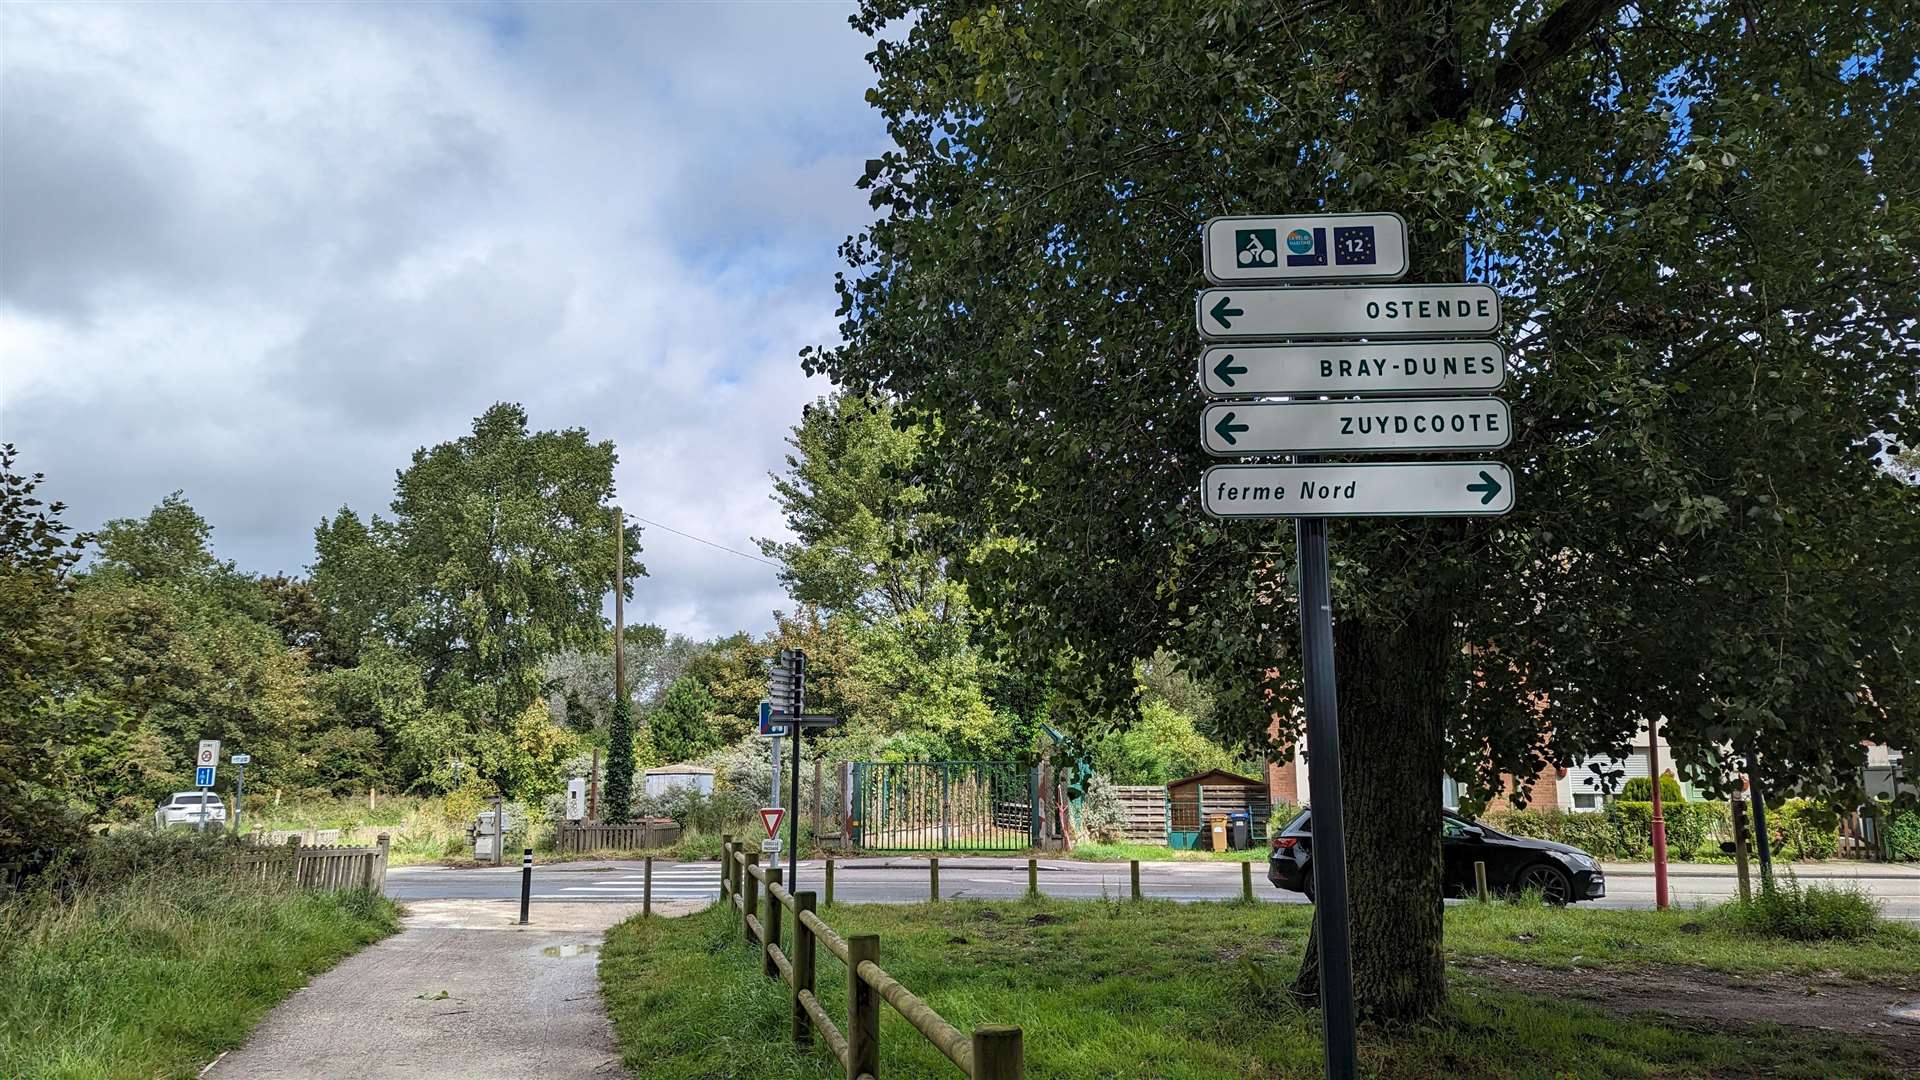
<point x="943" y="806"/>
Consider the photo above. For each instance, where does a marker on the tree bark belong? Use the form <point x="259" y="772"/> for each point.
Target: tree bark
<point x="1392" y="680"/>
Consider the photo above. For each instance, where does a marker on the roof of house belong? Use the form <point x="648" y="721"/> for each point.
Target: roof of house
<point x="679" y="770"/>
<point x="1216" y="776"/>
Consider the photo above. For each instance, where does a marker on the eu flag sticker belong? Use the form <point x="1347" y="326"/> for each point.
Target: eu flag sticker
<point x="1353" y="246"/>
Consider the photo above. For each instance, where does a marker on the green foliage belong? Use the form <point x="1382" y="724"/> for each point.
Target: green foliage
<point x="616" y="799"/>
<point x="1640" y="789"/>
<point x="682" y="725"/>
<point x="1809" y="830"/>
<point x="1903" y="833"/>
<point x="150" y="959"/>
<point x="43" y="652"/>
<point x="1162" y="745"/>
<point x="1806" y="913"/>
<point x="1103" y="817"/>
<point x="1624" y="830"/>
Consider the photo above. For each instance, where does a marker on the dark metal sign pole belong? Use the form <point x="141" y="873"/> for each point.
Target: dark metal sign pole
<point x="1323" y="782"/>
<point x="793" y="811"/>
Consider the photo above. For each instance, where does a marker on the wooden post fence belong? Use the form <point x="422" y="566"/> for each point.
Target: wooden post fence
<point x="991" y="1052"/>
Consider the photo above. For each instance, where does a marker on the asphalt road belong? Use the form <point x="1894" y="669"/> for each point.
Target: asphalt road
<point x="882" y="880"/>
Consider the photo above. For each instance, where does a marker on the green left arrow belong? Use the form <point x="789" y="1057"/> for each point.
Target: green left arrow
<point x="1226" y="429"/>
<point x="1226" y="369"/>
<point x="1224" y="310"/>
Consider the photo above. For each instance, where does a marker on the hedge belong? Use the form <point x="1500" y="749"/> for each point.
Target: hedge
<point x="1624" y="829"/>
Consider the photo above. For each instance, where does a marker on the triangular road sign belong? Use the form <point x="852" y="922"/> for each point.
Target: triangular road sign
<point x="771" y="815"/>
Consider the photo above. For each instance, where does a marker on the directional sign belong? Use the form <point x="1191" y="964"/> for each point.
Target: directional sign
<point x="1368" y="311"/>
<point x="203" y="776"/>
<point x="768" y="725"/>
<point x="770" y="817"/>
<point x="1354" y="426"/>
<point x="1306" y="247"/>
<point x="208" y="754"/>
<point x="1387" y="367"/>
<point x="241" y="759"/>
<point x="1373" y="489"/>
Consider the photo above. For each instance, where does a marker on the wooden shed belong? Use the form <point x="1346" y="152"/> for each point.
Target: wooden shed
<point x="1192" y="799"/>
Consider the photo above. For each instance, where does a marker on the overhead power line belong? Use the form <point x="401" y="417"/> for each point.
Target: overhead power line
<point x="709" y="543"/>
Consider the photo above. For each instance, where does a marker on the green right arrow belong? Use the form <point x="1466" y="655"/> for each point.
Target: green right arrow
<point x="1226" y="429"/>
<point x="1487" y="485"/>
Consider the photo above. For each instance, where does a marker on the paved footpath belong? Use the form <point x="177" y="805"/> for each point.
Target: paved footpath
<point x="460" y="993"/>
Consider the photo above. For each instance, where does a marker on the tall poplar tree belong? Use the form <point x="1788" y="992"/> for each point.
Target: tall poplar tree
<point x="1702" y="220"/>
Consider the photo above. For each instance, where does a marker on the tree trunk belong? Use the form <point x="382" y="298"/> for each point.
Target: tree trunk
<point x="1392" y="680"/>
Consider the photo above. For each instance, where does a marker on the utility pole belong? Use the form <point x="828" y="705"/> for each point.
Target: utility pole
<point x="1761" y="839"/>
<point x="619" y="605"/>
<point x="1659" y="823"/>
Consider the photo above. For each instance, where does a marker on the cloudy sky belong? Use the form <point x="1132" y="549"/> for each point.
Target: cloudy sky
<point x="261" y="253"/>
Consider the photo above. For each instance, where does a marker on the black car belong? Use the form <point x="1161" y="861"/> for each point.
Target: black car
<point x="1560" y="873"/>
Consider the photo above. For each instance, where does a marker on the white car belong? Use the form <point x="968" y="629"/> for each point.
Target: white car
<point x="191" y="808"/>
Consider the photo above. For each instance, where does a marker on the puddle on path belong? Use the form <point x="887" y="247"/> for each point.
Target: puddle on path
<point x="568" y="950"/>
<point x="1910" y="1012"/>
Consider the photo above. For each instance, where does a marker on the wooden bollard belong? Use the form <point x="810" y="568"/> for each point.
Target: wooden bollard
<point x="803" y="944"/>
<point x="771" y="924"/>
<point x="646" y="890"/>
<point x="933" y="878"/>
<point x="749" y="894"/>
<point x="998" y="1053"/>
<point x="1246" y="882"/>
<point x="1033" y="879"/>
<point x="1480" y="881"/>
<point x="863" y="1008"/>
<point x="1133" y="871"/>
<point x="829" y="899"/>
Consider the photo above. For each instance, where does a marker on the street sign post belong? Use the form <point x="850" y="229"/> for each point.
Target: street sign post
<point x="1371" y="360"/>
<point x="1306" y="247"/>
<point x="770" y="817"/>
<point x="240" y="763"/>
<point x="1365" y="311"/>
<point x="1355" y="426"/>
<point x="1371" y="489"/>
<point x="1384" y="367"/>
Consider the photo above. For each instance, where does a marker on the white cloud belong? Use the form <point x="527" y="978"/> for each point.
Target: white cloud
<point x="260" y="253"/>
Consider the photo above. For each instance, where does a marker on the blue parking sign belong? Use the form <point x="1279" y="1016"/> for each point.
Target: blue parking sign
<point x="203" y="776"/>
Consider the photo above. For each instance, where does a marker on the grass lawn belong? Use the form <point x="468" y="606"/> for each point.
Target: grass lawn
<point x="1158" y="989"/>
<point x="154" y="977"/>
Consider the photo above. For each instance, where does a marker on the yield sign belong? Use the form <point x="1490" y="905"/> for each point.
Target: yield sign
<point x="771" y="815"/>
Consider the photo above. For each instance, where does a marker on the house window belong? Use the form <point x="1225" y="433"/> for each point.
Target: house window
<point x="1587" y="801"/>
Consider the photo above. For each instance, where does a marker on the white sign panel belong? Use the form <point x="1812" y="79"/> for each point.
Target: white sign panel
<point x="208" y="754"/>
<point x="1354" y="426"/>
<point x="1384" y="489"/>
<point x="1385" y="367"/>
<point x="1306" y="247"/>
<point x="241" y="759"/>
<point x="1368" y="311"/>
<point x="770" y="847"/>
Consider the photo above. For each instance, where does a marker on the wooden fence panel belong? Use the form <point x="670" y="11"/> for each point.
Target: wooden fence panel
<point x="599" y="836"/>
<point x="321" y="869"/>
<point x="1146" y="810"/>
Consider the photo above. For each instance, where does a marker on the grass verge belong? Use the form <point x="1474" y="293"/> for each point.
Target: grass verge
<point x="153" y="976"/>
<point x="1154" y="989"/>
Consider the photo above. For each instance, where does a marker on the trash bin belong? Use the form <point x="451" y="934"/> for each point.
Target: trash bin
<point x="1216" y="832"/>
<point x="1240" y="830"/>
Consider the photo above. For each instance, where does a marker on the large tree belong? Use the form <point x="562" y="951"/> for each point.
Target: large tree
<point x="1702" y="221"/>
<point x="496" y="558"/>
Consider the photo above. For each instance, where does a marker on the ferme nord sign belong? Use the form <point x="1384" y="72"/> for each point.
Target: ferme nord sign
<point x="1355" y="426"/>
<point x="1370" y="489"/>
<point x="1386" y="367"/>
<point x="1349" y="311"/>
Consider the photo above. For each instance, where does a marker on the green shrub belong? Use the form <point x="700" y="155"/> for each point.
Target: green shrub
<point x="1543" y="824"/>
<point x="1102" y="816"/>
<point x="1593" y="833"/>
<point x="1813" y="913"/>
<point x="1640" y="789"/>
<point x="1810" y="831"/>
<point x="1633" y="821"/>
<point x="1903" y="833"/>
<point x="1687" y="825"/>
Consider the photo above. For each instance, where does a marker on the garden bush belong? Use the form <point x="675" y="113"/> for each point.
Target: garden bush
<point x="1811" y="831"/>
<point x="1640" y="789"/>
<point x="1103" y="818"/>
<point x="1812" y="913"/>
<point x="1903" y="833"/>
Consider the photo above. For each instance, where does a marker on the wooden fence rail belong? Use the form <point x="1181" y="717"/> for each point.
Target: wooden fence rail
<point x="599" y="836"/>
<point x="321" y="869"/>
<point x="990" y="1052"/>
